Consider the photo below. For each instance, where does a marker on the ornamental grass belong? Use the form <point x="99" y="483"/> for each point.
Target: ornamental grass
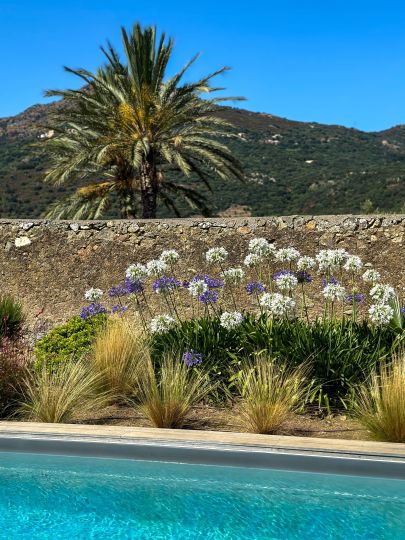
<point x="269" y="394"/>
<point x="117" y="355"/>
<point x="167" y="394"/>
<point x="59" y="396"/>
<point x="380" y="406"/>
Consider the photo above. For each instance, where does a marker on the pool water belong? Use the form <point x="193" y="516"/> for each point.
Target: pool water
<point x="58" y="497"/>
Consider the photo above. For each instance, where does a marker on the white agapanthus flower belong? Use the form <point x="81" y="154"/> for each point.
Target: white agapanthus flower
<point x="371" y="276"/>
<point x="306" y="263"/>
<point x="333" y="292"/>
<point x="287" y="255"/>
<point x="136" y="271"/>
<point x="382" y="293"/>
<point x="353" y="264"/>
<point x="231" y="319"/>
<point x="216" y="255"/>
<point x="381" y="313"/>
<point x="252" y="260"/>
<point x="233" y="275"/>
<point x="162" y="324"/>
<point x="169" y="256"/>
<point x="93" y="294"/>
<point x="156" y="267"/>
<point x="330" y="259"/>
<point x="197" y="287"/>
<point x="261" y="247"/>
<point x="277" y="304"/>
<point x="286" y="282"/>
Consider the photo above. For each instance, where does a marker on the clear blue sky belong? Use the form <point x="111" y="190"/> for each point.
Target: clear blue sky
<point x="330" y="61"/>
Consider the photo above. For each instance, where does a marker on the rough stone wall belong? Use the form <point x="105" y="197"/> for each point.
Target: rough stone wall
<point x="49" y="264"/>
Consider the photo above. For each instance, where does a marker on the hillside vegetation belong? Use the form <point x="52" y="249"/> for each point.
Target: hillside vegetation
<point x="290" y="168"/>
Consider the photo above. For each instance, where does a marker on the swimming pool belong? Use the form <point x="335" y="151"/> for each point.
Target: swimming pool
<point x="48" y="496"/>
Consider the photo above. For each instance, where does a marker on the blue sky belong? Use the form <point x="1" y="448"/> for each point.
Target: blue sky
<point x="330" y="61"/>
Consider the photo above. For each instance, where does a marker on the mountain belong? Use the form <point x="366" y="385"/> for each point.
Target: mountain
<point x="290" y="167"/>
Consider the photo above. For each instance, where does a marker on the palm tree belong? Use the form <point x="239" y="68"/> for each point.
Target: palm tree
<point x="125" y="132"/>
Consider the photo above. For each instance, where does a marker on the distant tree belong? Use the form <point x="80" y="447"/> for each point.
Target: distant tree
<point x="124" y="133"/>
<point x="367" y="206"/>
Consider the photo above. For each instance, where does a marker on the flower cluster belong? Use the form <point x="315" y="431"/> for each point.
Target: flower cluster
<point x="156" y="268"/>
<point x="306" y="263"/>
<point x="353" y="263"/>
<point x="252" y="260"/>
<point x="192" y="358"/>
<point x="92" y="295"/>
<point x="91" y="310"/>
<point x="136" y="272"/>
<point x="216" y="255"/>
<point x="209" y="297"/>
<point x="233" y="275"/>
<point x="381" y="313"/>
<point x="371" y="276"/>
<point x="330" y="259"/>
<point x="162" y="324"/>
<point x="280" y="269"/>
<point x="231" y="320"/>
<point x="285" y="281"/>
<point x="117" y="291"/>
<point x="334" y="292"/>
<point x="170" y="256"/>
<point x="134" y="286"/>
<point x="287" y="255"/>
<point x="197" y="287"/>
<point x="262" y="247"/>
<point x="255" y="287"/>
<point x="165" y="285"/>
<point x="278" y="304"/>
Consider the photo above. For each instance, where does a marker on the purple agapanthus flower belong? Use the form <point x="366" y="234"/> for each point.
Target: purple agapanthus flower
<point x="118" y="309"/>
<point x="134" y="287"/>
<point x="255" y="286"/>
<point x="330" y="281"/>
<point x="303" y="277"/>
<point x="117" y="291"/>
<point x="191" y="358"/>
<point x="209" y="297"/>
<point x="403" y="310"/>
<point x="91" y="310"/>
<point x="282" y="273"/>
<point x="165" y="284"/>
<point x="358" y="298"/>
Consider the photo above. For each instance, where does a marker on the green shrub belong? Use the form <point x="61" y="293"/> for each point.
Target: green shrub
<point x="67" y="341"/>
<point x="11" y="315"/>
<point x="341" y="353"/>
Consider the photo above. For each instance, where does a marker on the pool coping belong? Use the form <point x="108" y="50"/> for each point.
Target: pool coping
<point x="338" y="456"/>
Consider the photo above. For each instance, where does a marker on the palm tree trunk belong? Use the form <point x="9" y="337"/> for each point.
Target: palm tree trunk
<point x="127" y="200"/>
<point x="149" y="189"/>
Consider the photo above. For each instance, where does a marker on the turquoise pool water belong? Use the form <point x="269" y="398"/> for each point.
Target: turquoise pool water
<point x="58" y="497"/>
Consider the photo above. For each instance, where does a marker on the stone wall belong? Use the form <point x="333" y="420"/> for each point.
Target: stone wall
<point x="49" y="264"/>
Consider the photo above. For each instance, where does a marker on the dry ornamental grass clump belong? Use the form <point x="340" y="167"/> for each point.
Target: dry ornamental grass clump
<point x="117" y="356"/>
<point x="166" y="395"/>
<point x="58" y="396"/>
<point x="381" y="403"/>
<point x="269" y="394"/>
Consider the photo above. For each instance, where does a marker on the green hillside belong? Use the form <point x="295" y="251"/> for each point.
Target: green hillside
<point x="290" y="168"/>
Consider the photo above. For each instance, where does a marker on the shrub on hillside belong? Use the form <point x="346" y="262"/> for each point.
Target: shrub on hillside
<point x="68" y="341"/>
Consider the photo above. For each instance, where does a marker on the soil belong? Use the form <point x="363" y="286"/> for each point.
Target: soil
<point x="208" y="418"/>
